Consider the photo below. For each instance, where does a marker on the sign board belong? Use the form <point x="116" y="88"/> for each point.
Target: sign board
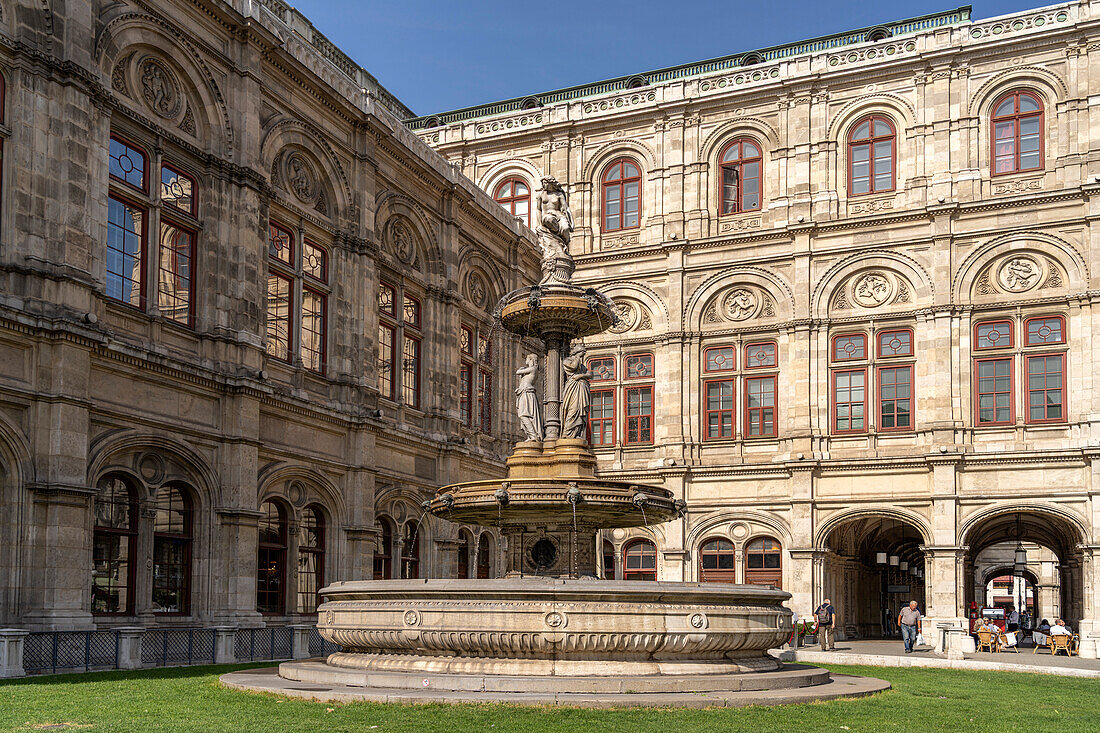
<point x="897" y="589"/>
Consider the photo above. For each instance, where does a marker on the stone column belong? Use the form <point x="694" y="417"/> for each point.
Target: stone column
<point x="11" y="652"/>
<point x="58" y="583"/>
<point x="447" y="552"/>
<point x="555" y="344"/>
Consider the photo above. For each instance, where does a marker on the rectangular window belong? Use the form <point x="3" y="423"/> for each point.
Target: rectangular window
<point x="484" y="347"/>
<point x="386" y="299"/>
<point x="466" y="394"/>
<point x="760" y="355"/>
<point x="602" y="368"/>
<point x="314" y="261"/>
<point x="1045" y="392"/>
<point x="601" y="418"/>
<point x="1042" y="331"/>
<point x="485" y="400"/>
<point x="1005" y="146"/>
<point x="466" y="340"/>
<point x="174" y="289"/>
<point x="387" y="344"/>
<point x="849" y="347"/>
<point x="639" y="366"/>
<point x="993" y="335"/>
<point x="895" y="343"/>
<point x="639" y="414"/>
<point x="895" y="398"/>
<point x="127" y="164"/>
<point x="177" y="190"/>
<point x="719" y="408"/>
<point x="125" y="252"/>
<point x="760" y="398"/>
<point x="280" y="244"/>
<point x="994" y="391"/>
<point x="411" y="310"/>
<point x="718" y="359"/>
<point x="312" y="348"/>
<point x="849" y="401"/>
<point x="410" y="379"/>
<point x="861" y="168"/>
<point x="279" y="298"/>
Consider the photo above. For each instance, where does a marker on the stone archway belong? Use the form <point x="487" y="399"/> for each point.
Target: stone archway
<point x="872" y="565"/>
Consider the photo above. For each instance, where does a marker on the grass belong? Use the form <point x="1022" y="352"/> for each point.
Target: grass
<point x="190" y="699"/>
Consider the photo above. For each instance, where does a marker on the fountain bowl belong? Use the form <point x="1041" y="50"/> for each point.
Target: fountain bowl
<point x="541" y="310"/>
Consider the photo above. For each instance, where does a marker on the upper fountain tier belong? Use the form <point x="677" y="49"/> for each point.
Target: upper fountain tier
<point x="554" y="310"/>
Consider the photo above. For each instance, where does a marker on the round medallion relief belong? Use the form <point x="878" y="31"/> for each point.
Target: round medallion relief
<point x="872" y="288"/>
<point x="151" y="467"/>
<point x="412" y="618"/>
<point x="401" y="241"/>
<point x="555" y="620"/>
<point x="698" y="620"/>
<point x="300" y="178"/>
<point x="739" y="530"/>
<point x="476" y="290"/>
<point x="544" y="554"/>
<point x="159" y="88"/>
<point x="627" y="315"/>
<point x="1019" y="273"/>
<point x="740" y="304"/>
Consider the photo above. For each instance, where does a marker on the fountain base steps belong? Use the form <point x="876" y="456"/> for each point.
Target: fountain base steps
<point x="315" y="680"/>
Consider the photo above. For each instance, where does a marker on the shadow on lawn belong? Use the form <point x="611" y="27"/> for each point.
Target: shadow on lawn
<point x="157" y="673"/>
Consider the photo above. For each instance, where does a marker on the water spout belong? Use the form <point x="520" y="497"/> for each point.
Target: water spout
<point x="501" y="495"/>
<point x="448" y="501"/>
<point x="573" y="496"/>
<point x="681" y="507"/>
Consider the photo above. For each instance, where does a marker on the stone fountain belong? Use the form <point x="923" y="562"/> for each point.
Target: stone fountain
<point x="549" y="626"/>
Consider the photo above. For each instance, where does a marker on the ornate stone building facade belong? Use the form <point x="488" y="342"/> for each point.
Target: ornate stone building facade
<point x="244" y="320"/>
<point x="855" y="279"/>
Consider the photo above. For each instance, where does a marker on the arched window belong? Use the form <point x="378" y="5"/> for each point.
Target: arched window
<point x="718" y="561"/>
<point x="515" y="196"/>
<point x="410" y="552"/>
<point x="271" y="559"/>
<point x="463" y="555"/>
<point x="740" y="186"/>
<point x="763" y="562"/>
<point x="383" y="555"/>
<point x="483" y="555"/>
<point x="113" y="543"/>
<point x="1017" y="133"/>
<point x="622" y="195"/>
<point x="640" y="561"/>
<point x="172" y="535"/>
<point x="608" y="560"/>
<point x="311" y="558"/>
<point x="871" y="156"/>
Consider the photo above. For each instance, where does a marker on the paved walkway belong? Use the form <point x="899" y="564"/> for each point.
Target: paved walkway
<point x="892" y="654"/>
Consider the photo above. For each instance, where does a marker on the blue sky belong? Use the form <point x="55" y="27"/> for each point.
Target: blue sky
<point x="436" y="55"/>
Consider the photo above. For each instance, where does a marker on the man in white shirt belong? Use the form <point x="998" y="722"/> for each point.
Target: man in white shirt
<point x="1013" y="620"/>
<point x="1059" y="627"/>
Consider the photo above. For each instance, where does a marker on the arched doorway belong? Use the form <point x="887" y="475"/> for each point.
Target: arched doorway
<point x="1032" y="549"/>
<point x="873" y="566"/>
<point x="764" y="562"/>
<point x="717" y="561"/>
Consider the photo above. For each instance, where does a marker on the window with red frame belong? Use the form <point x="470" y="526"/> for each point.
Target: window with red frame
<point x="639" y="414"/>
<point x="760" y="402"/>
<point x="639" y="366"/>
<point x="475" y="377"/>
<point x="383" y="553"/>
<point x="849" y="400"/>
<point x="718" y="561"/>
<point x="172" y="535"/>
<point x="1046" y="388"/>
<point x="297" y="277"/>
<point x="1017" y="133"/>
<point x="761" y="355"/>
<point x="640" y="560"/>
<point x="410" y="352"/>
<point x="271" y="559"/>
<point x="387" y="341"/>
<point x="602" y="369"/>
<point x="621" y="195"/>
<point x="741" y="167"/>
<point x="993" y="335"/>
<point x="1045" y="330"/>
<point x="764" y="562"/>
<point x="849" y="347"/>
<point x="895" y="343"/>
<point x="895" y="397"/>
<point x="993" y="382"/>
<point x="871" y="156"/>
<point x="113" y="544"/>
<point x="601" y="418"/>
<point x="719" y="358"/>
<point x="515" y="196"/>
<point x="719" y="408"/>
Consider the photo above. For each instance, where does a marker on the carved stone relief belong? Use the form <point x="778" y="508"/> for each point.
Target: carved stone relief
<point x="402" y="241"/>
<point x="872" y="289"/>
<point x="739" y="303"/>
<point x="477" y="290"/>
<point x="1019" y="272"/>
<point x="300" y="178"/>
<point x="118" y="76"/>
<point x="160" y="89"/>
<point x="632" y="317"/>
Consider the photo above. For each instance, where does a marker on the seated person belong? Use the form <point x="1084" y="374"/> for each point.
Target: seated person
<point x="1044" y="627"/>
<point x="1060" y="628"/>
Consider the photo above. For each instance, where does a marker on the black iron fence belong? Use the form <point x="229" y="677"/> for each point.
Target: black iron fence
<point x="70" y="650"/>
<point x="175" y="647"/>
<point x="266" y="643"/>
<point x="319" y="646"/>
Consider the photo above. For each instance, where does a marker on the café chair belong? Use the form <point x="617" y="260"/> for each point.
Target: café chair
<point x="986" y="640"/>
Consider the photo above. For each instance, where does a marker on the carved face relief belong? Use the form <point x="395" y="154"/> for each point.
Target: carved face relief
<point x="160" y="89"/>
<point x="871" y="289"/>
<point x="740" y="304"/>
<point x="1019" y="274"/>
<point x="627" y="315"/>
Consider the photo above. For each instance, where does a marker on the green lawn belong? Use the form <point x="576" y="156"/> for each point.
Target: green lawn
<point x="190" y="699"/>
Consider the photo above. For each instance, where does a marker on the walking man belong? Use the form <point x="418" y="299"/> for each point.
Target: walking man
<point x="909" y="621"/>
<point x="826" y="625"/>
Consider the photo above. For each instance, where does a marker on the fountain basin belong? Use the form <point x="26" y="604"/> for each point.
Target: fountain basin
<point x="547" y="626"/>
<point x="556" y="309"/>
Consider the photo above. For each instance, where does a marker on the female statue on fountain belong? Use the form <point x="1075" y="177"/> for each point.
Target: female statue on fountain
<point x="575" y="398"/>
<point x="527" y="401"/>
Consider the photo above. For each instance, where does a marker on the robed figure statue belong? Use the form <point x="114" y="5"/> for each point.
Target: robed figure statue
<point x="527" y="401"/>
<point x="575" y="399"/>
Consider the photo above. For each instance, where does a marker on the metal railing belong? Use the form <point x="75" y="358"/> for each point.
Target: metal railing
<point x="52" y="651"/>
<point x="177" y="647"/>
<point x="266" y="643"/>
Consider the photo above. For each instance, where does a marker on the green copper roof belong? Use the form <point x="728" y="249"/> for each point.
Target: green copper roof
<point x="821" y="43"/>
